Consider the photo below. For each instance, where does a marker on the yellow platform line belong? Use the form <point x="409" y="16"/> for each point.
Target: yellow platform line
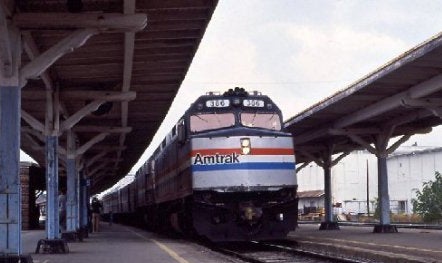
<point x="165" y="248"/>
<point x="169" y="251"/>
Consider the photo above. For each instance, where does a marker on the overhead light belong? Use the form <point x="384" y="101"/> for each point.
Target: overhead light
<point x="102" y="109"/>
<point x="236" y="101"/>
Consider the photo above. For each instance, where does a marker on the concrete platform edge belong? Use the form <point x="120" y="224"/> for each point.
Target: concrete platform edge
<point x="356" y="253"/>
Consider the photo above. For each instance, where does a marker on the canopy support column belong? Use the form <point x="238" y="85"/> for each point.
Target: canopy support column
<point x="53" y="242"/>
<point x="328" y="223"/>
<point x="84" y="206"/>
<point x="381" y="150"/>
<point x="10" y="188"/>
<point x="326" y="162"/>
<point x="72" y="203"/>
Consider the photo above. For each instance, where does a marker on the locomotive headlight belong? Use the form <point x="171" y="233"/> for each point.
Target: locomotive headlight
<point x="236" y="101"/>
<point x="245" y="146"/>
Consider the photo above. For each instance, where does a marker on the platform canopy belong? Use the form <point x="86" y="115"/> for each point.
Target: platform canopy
<point x="402" y="98"/>
<point x="113" y="90"/>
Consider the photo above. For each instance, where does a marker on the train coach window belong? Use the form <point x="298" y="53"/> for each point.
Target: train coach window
<point x="269" y="121"/>
<point x="211" y="121"/>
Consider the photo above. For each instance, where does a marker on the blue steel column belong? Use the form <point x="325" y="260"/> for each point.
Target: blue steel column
<point x="52" y="217"/>
<point x="328" y="223"/>
<point x="10" y="198"/>
<point x="327" y="190"/>
<point x="84" y="205"/>
<point x="71" y="200"/>
<point x="383" y="196"/>
<point x="77" y="200"/>
<point x="71" y="203"/>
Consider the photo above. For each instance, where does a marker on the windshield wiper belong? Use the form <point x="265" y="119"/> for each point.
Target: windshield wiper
<point x="204" y="120"/>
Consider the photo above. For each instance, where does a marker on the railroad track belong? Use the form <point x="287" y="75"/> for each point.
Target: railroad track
<point x="274" y="252"/>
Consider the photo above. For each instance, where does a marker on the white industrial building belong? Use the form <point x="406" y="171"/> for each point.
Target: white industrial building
<point x="408" y="168"/>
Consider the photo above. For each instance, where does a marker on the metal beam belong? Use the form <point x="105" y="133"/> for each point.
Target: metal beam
<point x="97" y="168"/>
<point x="423" y="89"/>
<point x="109" y="148"/>
<point x="129" y="47"/>
<point x="346" y="131"/>
<point x="91" y="94"/>
<point x="97" y="157"/>
<point x="34" y="132"/>
<point x="339" y="158"/>
<point x="299" y="168"/>
<point x="362" y="142"/>
<point x="93" y="106"/>
<point x="418" y="91"/>
<point x="37" y="66"/>
<point x="33" y="122"/>
<point x="398" y="143"/>
<point x="76" y="117"/>
<point x="31" y="140"/>
<point x="92" y="128"/>
<point x="5" y="45"/>
<point x="110" y="22"/>
<point x="82" y="149"/>
<point x="32" y="51"/>
<point x="315" y="159"/>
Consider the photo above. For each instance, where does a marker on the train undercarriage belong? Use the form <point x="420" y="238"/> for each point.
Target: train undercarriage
<point x="223" y="216"/>
<point x="240" y="216"/>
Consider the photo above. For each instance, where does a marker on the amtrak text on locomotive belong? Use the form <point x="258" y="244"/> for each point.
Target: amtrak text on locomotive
<point x="216" y="159"/>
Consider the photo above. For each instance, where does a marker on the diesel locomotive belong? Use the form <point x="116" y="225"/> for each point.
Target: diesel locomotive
<point x="226" y="171"/>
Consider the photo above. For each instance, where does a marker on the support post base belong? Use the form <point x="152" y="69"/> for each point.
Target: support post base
<point x="16" y="259"/>
<point x="52" y="246"/>
<point x="329" y="226"/>
<point x="384" y="229"/>
<point x="84" y="232"/>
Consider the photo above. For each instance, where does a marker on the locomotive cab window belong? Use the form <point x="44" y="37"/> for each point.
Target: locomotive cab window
<point x="211" y="121"/>
<point x="263" y="120"/>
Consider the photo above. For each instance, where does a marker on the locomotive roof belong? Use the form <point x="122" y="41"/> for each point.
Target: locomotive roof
<point x="232" y="94"/>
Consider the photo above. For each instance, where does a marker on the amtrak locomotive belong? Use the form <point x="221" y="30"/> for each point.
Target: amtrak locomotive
<point x="226" y="171"/>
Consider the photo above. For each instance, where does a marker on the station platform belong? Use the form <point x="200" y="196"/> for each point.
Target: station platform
<point x="118" y="243"/>
<point x="359" y="242"/>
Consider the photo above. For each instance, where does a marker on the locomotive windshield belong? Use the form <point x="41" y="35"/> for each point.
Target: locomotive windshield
<point x="201" y="122"/>
<point x="235" y="108"/>
<point x="269" y="121"/>
<point x="211" y="121"/>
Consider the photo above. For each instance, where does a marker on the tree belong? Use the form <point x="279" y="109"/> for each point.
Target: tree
<point x="428" y="202"/>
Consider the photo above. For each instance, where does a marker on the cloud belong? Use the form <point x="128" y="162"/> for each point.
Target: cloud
<point x="340" y="53"/>
<point x="223" y="62"/>
<point x="298" y="52"/>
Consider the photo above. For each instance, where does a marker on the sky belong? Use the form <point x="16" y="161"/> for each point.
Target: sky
<point x="300" y="52"/>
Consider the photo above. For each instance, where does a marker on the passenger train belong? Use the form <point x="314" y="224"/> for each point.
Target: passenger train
<point x="226" y="171"/>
